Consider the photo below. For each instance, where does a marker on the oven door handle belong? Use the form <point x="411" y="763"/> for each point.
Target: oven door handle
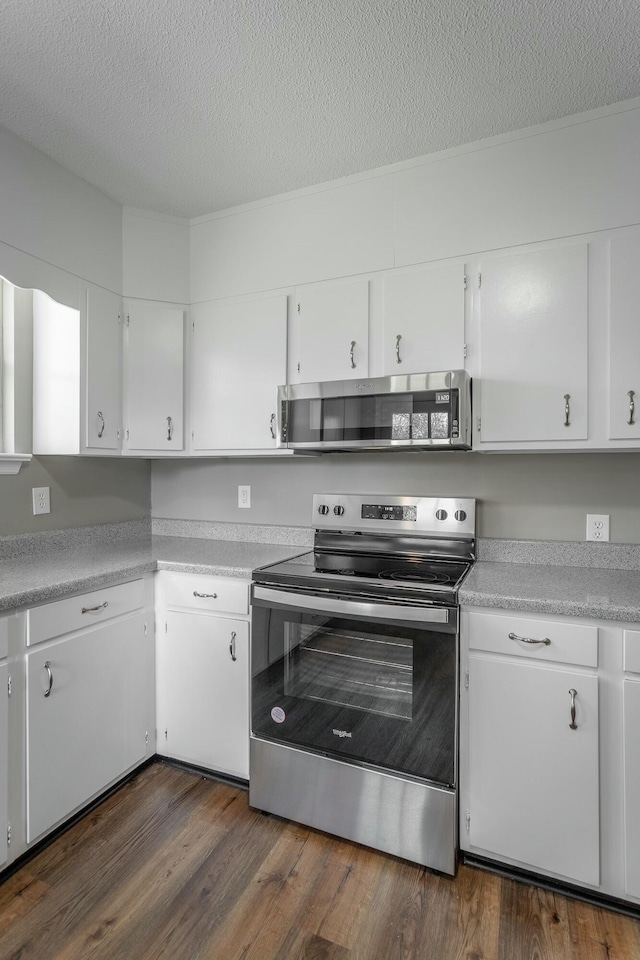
<point x="390" y="611"/>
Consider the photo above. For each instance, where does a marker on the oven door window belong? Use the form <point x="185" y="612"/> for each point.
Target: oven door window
<point x="371" y="691"/>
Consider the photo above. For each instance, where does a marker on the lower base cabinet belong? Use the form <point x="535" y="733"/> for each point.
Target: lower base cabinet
<point x="202" y="674"/>
<point x="631" y="696"/>
<point x="4" y="760"/>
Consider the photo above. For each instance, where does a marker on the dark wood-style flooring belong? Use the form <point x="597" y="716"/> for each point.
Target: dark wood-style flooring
<point x="177" y="866"/>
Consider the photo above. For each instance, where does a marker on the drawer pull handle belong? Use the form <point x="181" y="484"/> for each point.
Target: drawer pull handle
<point x="573" y="694"/>
<point x="169" y="428"/>
<point x="47" y="667"/>
<point x="232" y="646"/>
<point x="102" y="423"/>
<point x="398" y="357"/>
<point x="272" y="426"/>
<point x="514" y="636"/>
<point x="205" y="596"/>
<point x="353" y="346"/>
<point x="100" y="606"/>
<point x="567" y="410"/>
<point x="632" y="407"/>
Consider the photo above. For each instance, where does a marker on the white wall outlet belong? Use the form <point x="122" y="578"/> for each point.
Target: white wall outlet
<point x="597" y="526"/>
<point x="41" y="500"/>
<point x="244" y="497"/>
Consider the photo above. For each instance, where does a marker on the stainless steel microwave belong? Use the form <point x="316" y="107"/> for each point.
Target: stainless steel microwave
<point x="416" y="411"/>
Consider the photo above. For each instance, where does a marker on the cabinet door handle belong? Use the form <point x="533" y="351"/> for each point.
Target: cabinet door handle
<point x="353" y="344"/>
<point x="514" y="636"/>
<point x="169" y="428"/>
<point x="102" y="423"/>
<point x="232" y="646"/>
<point x="632" y="407"/>
<point x="398" y="357"/>
<point x="47" y="667"/>
<point x="101" y="606"/>
<point x="205" y="596"/>
<point x="567" y="410"/>
<point x="272" y="426"/>
<point x="573" y="694"/>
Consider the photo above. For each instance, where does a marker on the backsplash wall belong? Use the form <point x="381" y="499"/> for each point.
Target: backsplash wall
<point x="524" y="496"/>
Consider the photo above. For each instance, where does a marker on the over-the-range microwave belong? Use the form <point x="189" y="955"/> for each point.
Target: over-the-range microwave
<point x="417" y="411"/>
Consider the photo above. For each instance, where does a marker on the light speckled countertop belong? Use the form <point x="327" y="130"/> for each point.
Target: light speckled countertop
<point x="604" y="594"/>
<point x="50" y="574"/>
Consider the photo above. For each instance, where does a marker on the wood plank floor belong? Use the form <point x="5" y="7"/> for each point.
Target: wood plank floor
<point x="177" y="866"/>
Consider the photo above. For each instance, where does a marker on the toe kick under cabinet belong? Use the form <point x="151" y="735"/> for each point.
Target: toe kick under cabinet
<point x="202" y="663"/>
<point x="89" y="698"/>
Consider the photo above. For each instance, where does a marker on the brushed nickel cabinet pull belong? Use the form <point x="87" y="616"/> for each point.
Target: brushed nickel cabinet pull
<point x="102" y="423"/>
<point x="47" y="667"/>
<point x="169" y="428"/>
<point x="232" y="646"/>
<point x="205" y="596"/>
<point x="573" y="694"/>
<point x="101" y="606"/>
<point x="514" y="636"/>
<point x="353" y="344"/>
<point x="567" y="409"/>
<point x="398" y="357"/>
<point x="632" y="407"/>
<point x="272" y="426"/>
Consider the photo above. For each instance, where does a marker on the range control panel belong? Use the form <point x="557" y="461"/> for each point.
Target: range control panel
<point x="424" y="516"/>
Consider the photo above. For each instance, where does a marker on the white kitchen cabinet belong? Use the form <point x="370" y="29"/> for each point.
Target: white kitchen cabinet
<point x="154" y="377"/>
<point x="76" y="374"/>
<point x="238" y="360"/>
<point x="333" y="331"/>
<point x="624" y="354"/>
<point x="4" y="756"/>
<point x="424" y="319"/>
<point x="87" y="711"/>
<point x="202" y="664"/>
<point x="533" y="335"/>
<point x="532" y="796"/>
<point x="631" y="706"/>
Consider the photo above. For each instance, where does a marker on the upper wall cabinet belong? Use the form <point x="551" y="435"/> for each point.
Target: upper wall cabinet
<point x="533" y="338"/>
<point x="76" y="374"/>
<point x="624" y="356"/>
<point x="333" y="331"/>
<point x="154" y="382"/>
<point x="238" y="354"/>
<point x="424" y="319"/>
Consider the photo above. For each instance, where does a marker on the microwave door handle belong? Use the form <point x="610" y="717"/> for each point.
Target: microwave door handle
<point x="354" y="607"/>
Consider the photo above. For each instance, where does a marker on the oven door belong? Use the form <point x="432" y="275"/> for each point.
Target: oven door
<point x="359" y="679"/>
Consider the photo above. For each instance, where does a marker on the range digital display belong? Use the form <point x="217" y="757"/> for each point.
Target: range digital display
<point x="380" y="511"/>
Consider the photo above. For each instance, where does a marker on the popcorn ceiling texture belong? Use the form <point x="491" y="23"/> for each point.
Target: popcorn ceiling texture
<point x="190" y="107"/>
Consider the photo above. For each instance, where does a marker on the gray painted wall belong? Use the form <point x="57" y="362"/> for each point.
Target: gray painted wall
<point x="84" y="491"/>
<point x="524" y="496"/>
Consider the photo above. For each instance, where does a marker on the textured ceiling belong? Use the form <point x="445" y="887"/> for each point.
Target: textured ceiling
<point x="188" y="106"/>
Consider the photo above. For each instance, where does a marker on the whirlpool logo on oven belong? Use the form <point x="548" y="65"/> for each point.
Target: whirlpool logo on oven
<point x="342" y="733"/>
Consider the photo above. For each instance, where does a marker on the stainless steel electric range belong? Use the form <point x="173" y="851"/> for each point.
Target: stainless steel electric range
<point x="355" y="674"/>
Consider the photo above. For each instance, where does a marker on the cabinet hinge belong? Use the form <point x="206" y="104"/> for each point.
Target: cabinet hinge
<point x="193" y="435"/>
<point x="166" y="734"/>
<point x="127" y="319"/>
<point x="166" y="627"/>
<point x="298" y="308"/>
<point x="9" y="685"/>
<point x="127" y="434"/>
<point x="145" y="629"/>
<point x="118" y="433"/>
<point x="467" y="821"/>
<point x="146" y="736"/>
<point x="193" y="324"/>
<point x="119" y="318"/>
<point x="466" y="281"/>
<point x="479" y="423"/>
<point x="479" y="280"/>
<point x="298" y="366"/>
<point x="464" y="351"/>
<point x="466" y="679"/>
<point x="8" y="834"/>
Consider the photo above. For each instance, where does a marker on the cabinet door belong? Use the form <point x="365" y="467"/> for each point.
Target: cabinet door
<point x="90" y="728"/>
<point x="203" y="692"/>
<point x="632" y="785"/>
<point x="533" y="781"/>
<point x="533" y="346"/>
<point x="239" y="358"/>
<point x="624" y="372"/>
<point x="4" y="759"/>
<point x="154" y="377"/>
<point x="103" y="390"/>
<point x="333" y="331"/>
<point x="424" y="320"/>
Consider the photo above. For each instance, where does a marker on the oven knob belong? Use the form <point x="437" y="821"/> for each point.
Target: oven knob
<point x="323" y="509"/>
<point x="339" y="511"/>
<point x="461" y="515"/>
<point x="441" y="514"/>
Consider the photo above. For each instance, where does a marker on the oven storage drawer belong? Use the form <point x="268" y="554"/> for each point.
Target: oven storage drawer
<point x="539" y="639"/>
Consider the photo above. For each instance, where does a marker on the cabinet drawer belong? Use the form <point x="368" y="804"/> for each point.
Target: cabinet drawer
<point x="73" y="613"/>
<point x="632" y="651"/>
<point x="569" y="642"/>
<point x="4" y="637"/>
<point x="206" y="594"/>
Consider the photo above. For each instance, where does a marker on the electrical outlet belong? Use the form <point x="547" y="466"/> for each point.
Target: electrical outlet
<point x="41" y="500"/>
<point x="597" y="526"/>
<point x="244" y="497"/>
